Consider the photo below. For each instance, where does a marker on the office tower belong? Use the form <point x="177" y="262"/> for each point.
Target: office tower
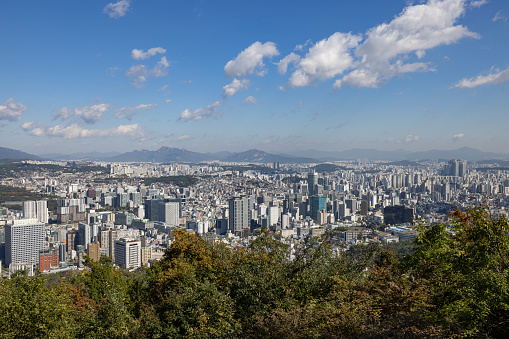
<point x="62" y="251"/>
<point x="94" y="251"/>
<point x="317" y="203"/>
<point x="273" y="215"/>
<point x="69" y="210"/>
<point x="84" y="234"/>
<point x="72" y="239"/>
<point x="48" y="259"/>
<point x="454" y="168"/>
<point x="24" y="239"/>
<point x="312" y="183"/>
<point x="128" y="253"/>
<point x="36" y="210"/>
<point x="169" y="213"/>
<point x="122" y="199"/>
<point x="238" y="214"/>
<point x="136" y="198"/>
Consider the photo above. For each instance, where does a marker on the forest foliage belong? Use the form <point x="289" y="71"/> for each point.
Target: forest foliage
<point x="454" y="284"/>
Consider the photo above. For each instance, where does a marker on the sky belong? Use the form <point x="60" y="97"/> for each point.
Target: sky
<point x="280" y="76"/>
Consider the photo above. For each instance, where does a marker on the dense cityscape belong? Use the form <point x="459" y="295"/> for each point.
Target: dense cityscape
<point x="110" y="209"/>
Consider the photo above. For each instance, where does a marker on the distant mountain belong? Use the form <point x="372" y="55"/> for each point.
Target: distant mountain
<point x="164" y="154"/>
<point x="90" y="156"/>
<point x="353" y="154"/>
<point x="255" y="155"/>
<point x="465" y="153"/>
<point x="9" y="153"/>
<point x="167" y="154"/>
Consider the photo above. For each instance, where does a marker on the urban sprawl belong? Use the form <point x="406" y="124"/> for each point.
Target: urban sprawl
<point x="127" y="211"/>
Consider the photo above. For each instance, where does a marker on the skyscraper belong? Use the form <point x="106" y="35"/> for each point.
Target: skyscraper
<point x="317" y="203"/>
<point x="36" y="210"/>
<point x="238" y="214"/>
<point x="24" y="239"/>
<point x="312" y="183"/>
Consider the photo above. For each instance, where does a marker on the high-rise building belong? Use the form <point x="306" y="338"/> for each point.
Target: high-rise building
<point x="312" y="183"/>
<point x="84" y="234"/>
<point x="128" y="253"/>
<point x="36" y="210"/>
<point x="24" y="238"/>
<point x="238" y="214"/>
<point x="69" y="210"/>
<point x="169" y="213"/>
<point x="317" y="203"/>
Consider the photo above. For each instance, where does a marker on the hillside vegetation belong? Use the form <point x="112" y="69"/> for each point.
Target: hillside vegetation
<point x="451" y="286"/>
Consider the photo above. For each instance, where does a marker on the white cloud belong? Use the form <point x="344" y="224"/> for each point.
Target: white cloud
<point x="499" y="16"/>
<point x="138" y="75"/>
<point x="250" y="100"/>
<point x="89" y="114"/>
<point x="168" y="101"/>
<point x="235" y="86"/>
<point x="302" y="46"/>
<point x="182" y="138"/>
<point x="117" y="9"/>
<point x="163" y="88"/>
<point x="11" y="111"/>
<point x="282" y="65"/>
<point x="250" y="59"/>
<point x="326" y="59"/>
<point x="494" y="78"/>
<point x="478" y="3"/>
<point x="161" y="68"/>
<point x="129" y="112"/>
<point x="457" y="137"/>
<point x="74" y="131"/>
<point x="28" y="125"/>
<point x="415" y="30"/>
<point x="211" y="110"/>
<point x="139" y="54"/>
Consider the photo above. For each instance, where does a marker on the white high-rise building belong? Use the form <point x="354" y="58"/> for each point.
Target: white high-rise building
<point x="128" y="253"/>
<point x="24" y="238"/>
<point x="36" y="210"/>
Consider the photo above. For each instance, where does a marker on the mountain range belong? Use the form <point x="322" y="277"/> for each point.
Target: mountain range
<point x="168" y="154"/>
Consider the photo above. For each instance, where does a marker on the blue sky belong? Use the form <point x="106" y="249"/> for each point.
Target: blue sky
<point x="274" y="75"/>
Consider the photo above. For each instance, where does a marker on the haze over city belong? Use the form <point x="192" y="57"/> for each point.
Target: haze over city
<point x="214" y="76"/>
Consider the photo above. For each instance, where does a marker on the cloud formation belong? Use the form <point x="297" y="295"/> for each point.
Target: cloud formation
<point x="139" y="74"/>
<point x="457" y="137"/>
<point x="250" y="100"/>
<point x="496" y="77"/>
<point x="282" y="65"/>
<point x="416" y="29"/>
<point x="326" y="59"/>
<point x="129" y="112"/>
<point x="235" y="86"/>
<point x="182" y="138"/>
<point x="11" y="111"/>
<point x="138" y="54"/>
<point x="250" y="59"/>
<point x="384" y="51"/>
<point x="117" y="9"/>
<point x="73" y="131"/>
<point x="211" y="110"/>
<point x="88" y="114"/>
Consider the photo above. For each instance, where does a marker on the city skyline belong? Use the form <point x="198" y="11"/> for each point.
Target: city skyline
<point x="229" y="76"/>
